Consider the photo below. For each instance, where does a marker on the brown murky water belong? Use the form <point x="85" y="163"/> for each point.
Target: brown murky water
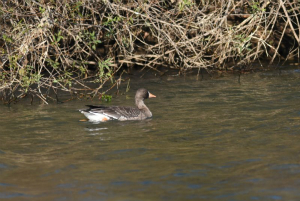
<point x="214" y="139"/>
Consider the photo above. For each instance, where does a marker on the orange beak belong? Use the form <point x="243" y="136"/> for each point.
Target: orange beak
<point x="151" y="95"/>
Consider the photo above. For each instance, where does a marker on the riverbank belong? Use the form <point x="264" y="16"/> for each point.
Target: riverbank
<point x="47" y="47"/>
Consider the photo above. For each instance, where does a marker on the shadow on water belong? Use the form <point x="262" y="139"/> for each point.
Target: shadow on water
<point x="212" y="140"/>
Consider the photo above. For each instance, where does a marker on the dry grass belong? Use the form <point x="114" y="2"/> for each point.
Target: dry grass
<point x="48" y="46"/>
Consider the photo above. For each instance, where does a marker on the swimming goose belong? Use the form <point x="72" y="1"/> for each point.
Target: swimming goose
<point x="104" y="113"/>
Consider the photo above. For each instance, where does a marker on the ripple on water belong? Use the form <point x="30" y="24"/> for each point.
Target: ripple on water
<point x="3" y="166"/>
<point x="214" y="139"/>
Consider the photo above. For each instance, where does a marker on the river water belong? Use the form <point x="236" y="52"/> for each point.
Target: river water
<point x="210" y="139"/>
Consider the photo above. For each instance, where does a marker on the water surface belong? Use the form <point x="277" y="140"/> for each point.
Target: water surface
<point x="211" y="139"/>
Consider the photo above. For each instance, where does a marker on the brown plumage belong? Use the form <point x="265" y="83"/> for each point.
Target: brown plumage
<point x="121" y="113"/>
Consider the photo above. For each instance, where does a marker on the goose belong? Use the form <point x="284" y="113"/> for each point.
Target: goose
<point x="99" y="113"/>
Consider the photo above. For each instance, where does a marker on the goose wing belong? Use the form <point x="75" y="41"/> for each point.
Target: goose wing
<point x="116" y="112"/>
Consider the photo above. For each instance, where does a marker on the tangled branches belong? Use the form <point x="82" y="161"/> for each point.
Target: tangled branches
<point x="49" y="46"/>
<point x="207" y="34"/>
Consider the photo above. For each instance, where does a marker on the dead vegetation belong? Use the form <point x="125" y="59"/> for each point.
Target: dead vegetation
<point x="48" y="46"/>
